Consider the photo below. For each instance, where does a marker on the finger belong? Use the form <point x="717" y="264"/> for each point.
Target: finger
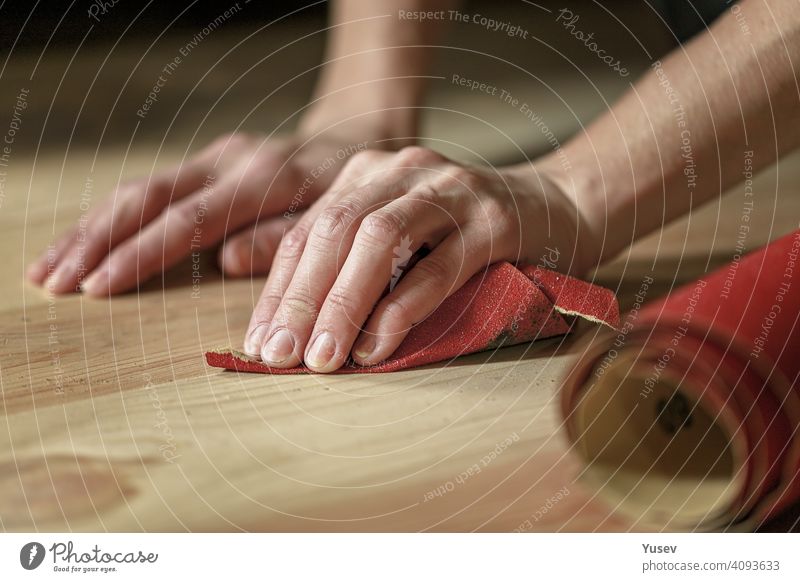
<point x="288" y="258"/>
<point x="383" y="245"/>
<point x="251" y="251"/>
<point x="44" y="265"/>
<point x="327" y="245"/>
<point x="293" y="302"/>
<point x="191" y="224"/>
<point x="132" y="206"/>
<point x="280" y="276"/>
<point x="419" y="293"/>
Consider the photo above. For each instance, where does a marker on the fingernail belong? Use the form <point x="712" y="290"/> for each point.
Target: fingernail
<point x="279" y="347"/>
<point x="321" y="351"/>
<point x="365" y="347"/>
<point x="92" y="284"/>
<point x="252" y="345"/>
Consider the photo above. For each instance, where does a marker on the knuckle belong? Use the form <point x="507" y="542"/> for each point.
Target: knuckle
<point x="360" y="161"/>
<point x="299" y="302"/>
<point x="499" y="214"/>
<point x="486" y="206"/>
<point x="398" y="311"/>
<point x="415" y="155"/>
<point x="340" y="301"/>
<point x="425" y="198"/>
<point x="334" y="221"/>
<point x="461" y="177"/>
<point x="382" y="228"/>
<point x="270" y="298"/>
<point x="363" y="157"/>
<point x="293" y="243"/>
<point x="433" y="271"/>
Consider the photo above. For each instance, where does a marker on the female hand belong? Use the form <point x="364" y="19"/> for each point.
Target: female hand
<point x="333" y="267"/>
<point x="150" y="224"/>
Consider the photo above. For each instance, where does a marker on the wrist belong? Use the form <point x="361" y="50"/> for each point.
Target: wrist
<point x="575" y="211"/>
<point x="382" y="127"/>
<point x="383" y="112"/>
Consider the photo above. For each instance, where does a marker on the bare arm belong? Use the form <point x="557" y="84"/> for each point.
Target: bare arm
<point x="679" y="137"/>
<point x="244" y="190"/>
<point x="675" y="140"/>
<point x="376" y="62"/>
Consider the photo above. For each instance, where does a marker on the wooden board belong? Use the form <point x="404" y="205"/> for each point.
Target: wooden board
<point x="112" y="421"/>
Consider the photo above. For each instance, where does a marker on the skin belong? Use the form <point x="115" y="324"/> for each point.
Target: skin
<point x="147" y="224"/>
<point x="317" y="298"/>
<point x="324" y="296"/>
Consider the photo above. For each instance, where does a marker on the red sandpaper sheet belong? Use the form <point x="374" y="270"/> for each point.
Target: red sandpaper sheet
<point x="501" y="306"/>
<point x="731" y="342"/>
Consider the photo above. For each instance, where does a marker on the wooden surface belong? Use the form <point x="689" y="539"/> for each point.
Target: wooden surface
<point x="111" y="420"/>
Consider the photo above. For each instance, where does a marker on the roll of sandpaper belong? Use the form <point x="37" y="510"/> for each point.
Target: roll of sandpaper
<point x="501" y="306"/>
<point x="688" y="417"/>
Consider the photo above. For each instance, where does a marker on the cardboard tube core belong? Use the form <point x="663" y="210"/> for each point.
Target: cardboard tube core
<point x="653" y="451"/>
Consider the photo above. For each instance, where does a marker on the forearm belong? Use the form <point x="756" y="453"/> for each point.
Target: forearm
<point x="375" y="68"/>
<point x="680" y="136"/>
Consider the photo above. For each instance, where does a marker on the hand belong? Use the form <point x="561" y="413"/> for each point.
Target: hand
<point x="332" y="268"/>
<point x="150" y="224"/>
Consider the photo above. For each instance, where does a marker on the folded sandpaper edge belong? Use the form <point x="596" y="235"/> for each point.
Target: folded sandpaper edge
<point x="576" y="298"/>
<point x="569" y="297"/>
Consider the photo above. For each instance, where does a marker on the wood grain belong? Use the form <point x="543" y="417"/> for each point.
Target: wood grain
<point x="110" y="420"/>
